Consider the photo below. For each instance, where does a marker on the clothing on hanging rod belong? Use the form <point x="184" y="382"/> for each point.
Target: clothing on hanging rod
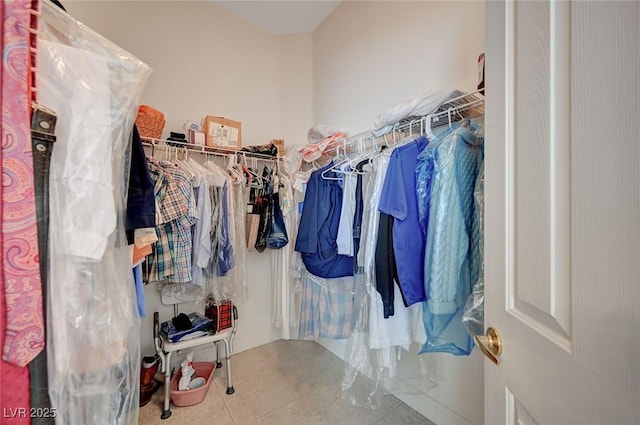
<point x="348" y="142"/>
<point x="170" y="149"/>
<point x="371" y="148"/>
<point x="149" y="141"/>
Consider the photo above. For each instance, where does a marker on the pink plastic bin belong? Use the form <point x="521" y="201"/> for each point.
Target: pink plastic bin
<point x="195" y="396"/>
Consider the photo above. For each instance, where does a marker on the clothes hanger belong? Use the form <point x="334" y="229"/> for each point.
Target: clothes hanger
<point x="182" y="164"/>
<point x="248" y="174"/>
<point x="335" y="168"/>
<point x="451" y="117"/>
<point x="220" y="175"/>
<point x="257" y="182"/>
<point x="201" y="170"/>
<point x="364" y="152"/>
<point x="411" y="127"/>
<point x="427" y="129"/>
<point x="162" y="154"/>
<point x="236" y="176"/>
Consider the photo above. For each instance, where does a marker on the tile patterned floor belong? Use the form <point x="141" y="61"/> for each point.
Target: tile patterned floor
<point x="282" y="383"/>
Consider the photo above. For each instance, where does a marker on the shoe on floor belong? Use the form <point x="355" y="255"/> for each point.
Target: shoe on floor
<point x="148" y="386"/>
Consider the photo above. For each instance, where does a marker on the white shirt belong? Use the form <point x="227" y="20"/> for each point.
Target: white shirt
<point x="202" y="240"/>
<point x="344" y="237"/>
<point x="384" y="334"/>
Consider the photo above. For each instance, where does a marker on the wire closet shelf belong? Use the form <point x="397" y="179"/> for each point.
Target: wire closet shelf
<point x="466" y="106"/>
<point x="206" y="150"/>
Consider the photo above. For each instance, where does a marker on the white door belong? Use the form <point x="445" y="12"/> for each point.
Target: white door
<point x="562" y="211"/>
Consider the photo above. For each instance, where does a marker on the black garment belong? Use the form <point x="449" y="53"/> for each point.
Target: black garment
<point x="182" y="322"/>
<point x="141" y="203"/>
<point x="42" y="140"/>
<point x="177" y="137"/>
<point x="270" y="149"/>
<point x="263" y="205"/>
<point x="386" y="270"/>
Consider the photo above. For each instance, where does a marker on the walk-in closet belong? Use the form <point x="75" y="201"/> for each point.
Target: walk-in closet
<point x="319" y="212"/>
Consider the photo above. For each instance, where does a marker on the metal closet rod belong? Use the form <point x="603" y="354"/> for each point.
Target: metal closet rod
<point x="468" y="102"/>
<point x="207" y="150"/>
<point x="450" y="110"/>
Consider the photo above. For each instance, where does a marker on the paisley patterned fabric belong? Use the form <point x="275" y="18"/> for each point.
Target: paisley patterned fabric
<point x="24" y="334"/>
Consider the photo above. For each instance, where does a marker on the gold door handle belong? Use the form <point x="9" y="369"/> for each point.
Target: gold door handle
<point x="490" y="344"/>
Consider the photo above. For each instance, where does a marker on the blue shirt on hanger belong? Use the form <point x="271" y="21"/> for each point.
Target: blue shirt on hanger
<point x="318" y="229"/>
<point x="399" y="199"/>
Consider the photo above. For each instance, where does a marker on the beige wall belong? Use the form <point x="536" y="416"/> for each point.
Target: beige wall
<point x="205" y="62"/>
<point x="369" y="56"/>
<point x="296" y="87"/>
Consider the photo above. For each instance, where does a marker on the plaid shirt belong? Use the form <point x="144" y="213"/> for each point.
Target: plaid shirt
<point x="181" y="230"/>
<point x="175" y="202"/>
<point x="327" y="307"/>
<point x="177" y="213"/>
<point x="159" y="263"/>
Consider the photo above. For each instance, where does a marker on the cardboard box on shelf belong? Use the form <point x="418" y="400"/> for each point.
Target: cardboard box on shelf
<point x="280" y="144"/>
<point x="223" y="132"/>
<point x="196" y="137"/>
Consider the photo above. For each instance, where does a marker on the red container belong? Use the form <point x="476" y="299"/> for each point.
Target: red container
<point x="190" y="397"/>
<point x="220" y="314"/>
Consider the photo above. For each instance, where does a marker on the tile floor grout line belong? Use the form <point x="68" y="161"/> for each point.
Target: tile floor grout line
<point x="273" y="361"/>
<point x="388" y="413"/>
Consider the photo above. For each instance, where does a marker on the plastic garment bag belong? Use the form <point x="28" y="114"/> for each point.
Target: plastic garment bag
<point x="473" y="316"/>
<point x="452" y="253"/>
<point x="287" y="273"/>
<point x="240" y="247"/>
<point x="223" y="283"/>
<point x="93" y="325"/>
<point x="372" y="353"/>
<point x="282" y="313"/>
<point x="224" y="273"/>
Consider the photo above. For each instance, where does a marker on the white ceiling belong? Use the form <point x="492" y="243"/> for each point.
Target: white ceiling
<point x="280" y="17"/>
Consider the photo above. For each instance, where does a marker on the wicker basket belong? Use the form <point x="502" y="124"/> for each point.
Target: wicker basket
<point x="150" y="122"/>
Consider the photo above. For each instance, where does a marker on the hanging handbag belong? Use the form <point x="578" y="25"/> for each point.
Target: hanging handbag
<point x="278" y="232"/>
<point x="252" y="223"/>
<point x="265" y="222"/>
